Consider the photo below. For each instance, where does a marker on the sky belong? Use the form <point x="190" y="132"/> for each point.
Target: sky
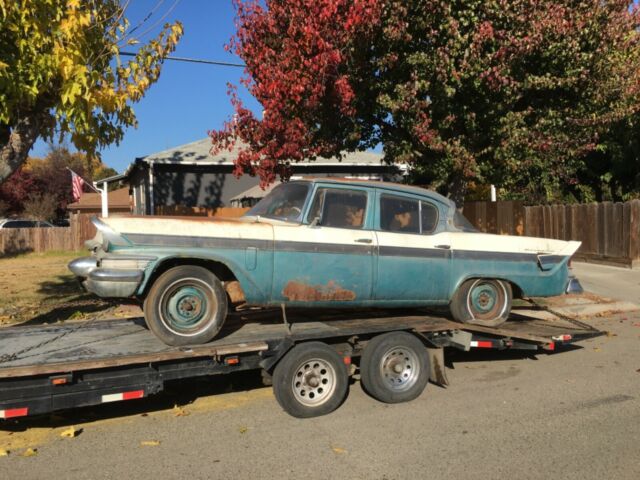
<point x="189" y="99"/>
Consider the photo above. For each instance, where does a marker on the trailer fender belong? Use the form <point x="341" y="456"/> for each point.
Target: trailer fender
<point x="274" y="354"/>
<point x="437" y="370"/>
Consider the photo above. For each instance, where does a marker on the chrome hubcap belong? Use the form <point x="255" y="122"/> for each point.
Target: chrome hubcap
<point x="314" y="382"/>
<point x="399" y="368"/>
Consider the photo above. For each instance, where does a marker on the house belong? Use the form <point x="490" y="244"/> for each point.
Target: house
<point x="189" y="177"/>
<point x="91" y="202"/>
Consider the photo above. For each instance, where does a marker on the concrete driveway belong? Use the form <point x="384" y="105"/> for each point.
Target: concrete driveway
<point x="614" y="282"/>
<point x="573" y="414"/>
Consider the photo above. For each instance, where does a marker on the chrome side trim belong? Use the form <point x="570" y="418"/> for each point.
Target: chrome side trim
<point x="116" y="275"/>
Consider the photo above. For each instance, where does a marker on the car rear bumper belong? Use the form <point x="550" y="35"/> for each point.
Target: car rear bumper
<point x="573" y="286"/>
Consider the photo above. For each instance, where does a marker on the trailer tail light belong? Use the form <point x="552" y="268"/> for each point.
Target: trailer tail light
<point x="234" y="360"/>
<point x="61" y="379"/>
<point x="116" y="397"/>
<point x="481" y="344"/>
<point x="346" y="360"/>
<point x="562" y="338"/>
<point x="14" y="412"/>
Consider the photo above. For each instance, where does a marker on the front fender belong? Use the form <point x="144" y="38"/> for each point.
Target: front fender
<point x="255" y="283"/>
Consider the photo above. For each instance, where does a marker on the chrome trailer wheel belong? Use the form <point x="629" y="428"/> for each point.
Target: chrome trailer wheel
<point x="311" y="380"/>
<point x="394" y="367"/>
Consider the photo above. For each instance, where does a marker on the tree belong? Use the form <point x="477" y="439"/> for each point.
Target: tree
<point x="61" y="73"/>
<point x="41" y="206"/>
<point x="514" y="93"/>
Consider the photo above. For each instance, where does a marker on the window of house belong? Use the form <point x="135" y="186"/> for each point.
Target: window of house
<point x="339" y="208"/>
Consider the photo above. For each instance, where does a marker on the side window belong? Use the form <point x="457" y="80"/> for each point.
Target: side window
<point x="399" y="214"/>
<point x="429" y="215"/>
<point x="338" y="208"/>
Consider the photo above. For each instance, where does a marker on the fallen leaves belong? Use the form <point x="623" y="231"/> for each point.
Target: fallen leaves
<point x="150" y="443"/>
<point x="29" y="452"/>
<point x="180" y="412"/>
<point x="4" y="453"/>
<point x="70" y="432"/>
<point x="243" y="430"/>
<point x="339" y="450"/>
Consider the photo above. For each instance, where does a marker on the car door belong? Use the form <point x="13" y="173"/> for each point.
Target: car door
<point x="413" y="255"/>
<point x="327" y="260"/>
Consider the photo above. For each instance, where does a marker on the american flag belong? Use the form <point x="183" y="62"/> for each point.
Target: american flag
<point x="76" y="185"/>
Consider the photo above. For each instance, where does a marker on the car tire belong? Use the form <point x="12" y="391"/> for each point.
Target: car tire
<point x="311" y="380"/>
<point x="186" y="305"/>
<point x="482" y="301"/>
<point x="394" y="367"/>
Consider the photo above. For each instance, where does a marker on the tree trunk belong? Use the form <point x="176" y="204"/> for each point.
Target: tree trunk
<point x="458" y="190"/>
<point x="16" y="144"/>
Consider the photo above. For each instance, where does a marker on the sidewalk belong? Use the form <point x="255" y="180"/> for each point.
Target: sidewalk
<point x="613" y="282"/>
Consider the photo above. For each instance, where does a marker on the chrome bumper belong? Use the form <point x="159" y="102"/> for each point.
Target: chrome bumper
<point x="573" y="286"/>
<point x="106" y="282"/>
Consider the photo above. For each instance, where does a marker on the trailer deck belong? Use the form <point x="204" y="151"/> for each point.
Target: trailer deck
<point x="47" y="368"/>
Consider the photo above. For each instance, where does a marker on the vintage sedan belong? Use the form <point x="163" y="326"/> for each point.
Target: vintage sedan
<point x="319" y="243"/>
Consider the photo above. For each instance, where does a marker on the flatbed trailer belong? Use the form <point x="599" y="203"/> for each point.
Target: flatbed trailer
<point x="56" y="367"/>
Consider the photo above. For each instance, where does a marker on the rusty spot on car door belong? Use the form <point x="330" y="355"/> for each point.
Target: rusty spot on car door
<point x="297" y="291"/>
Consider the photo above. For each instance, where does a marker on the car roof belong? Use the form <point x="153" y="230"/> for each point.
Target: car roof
<point x="390" y="186"/>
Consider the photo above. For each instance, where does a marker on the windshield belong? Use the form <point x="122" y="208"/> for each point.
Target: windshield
<point x="285" y="202"/>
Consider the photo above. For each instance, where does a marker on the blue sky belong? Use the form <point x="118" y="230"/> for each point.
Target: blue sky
<point x="189" y="99"/>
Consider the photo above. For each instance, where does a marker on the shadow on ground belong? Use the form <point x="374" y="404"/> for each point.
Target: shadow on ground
<point x="177" y="393"/>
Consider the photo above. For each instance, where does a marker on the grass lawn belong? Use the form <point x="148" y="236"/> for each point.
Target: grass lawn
<point x="38" y="288"/>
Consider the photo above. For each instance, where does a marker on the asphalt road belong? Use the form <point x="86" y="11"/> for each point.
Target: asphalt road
<point x="573" y="414"/>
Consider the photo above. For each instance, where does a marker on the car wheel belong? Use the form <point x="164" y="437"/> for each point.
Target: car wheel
<point x="482" y="301"/>
<point x="311" y="380"/>
<point x="394" y="367"/>
<point x="186" y="305"/>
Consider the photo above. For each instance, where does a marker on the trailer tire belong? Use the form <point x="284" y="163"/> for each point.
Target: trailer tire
<point x="482" y="301"/>
<point x="394" y="367"/>
<point x="186" y="305"/>
<point x="311" y="380"/>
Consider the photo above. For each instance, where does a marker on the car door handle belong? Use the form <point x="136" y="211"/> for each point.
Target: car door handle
<point x="364" y="240"/>
<point x="444" y="247"/>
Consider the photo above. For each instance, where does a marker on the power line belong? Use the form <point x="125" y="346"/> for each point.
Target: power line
<point x="192" y="60"/>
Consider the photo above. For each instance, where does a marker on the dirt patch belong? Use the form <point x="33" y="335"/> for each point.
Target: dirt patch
<point x="38" y="288"/>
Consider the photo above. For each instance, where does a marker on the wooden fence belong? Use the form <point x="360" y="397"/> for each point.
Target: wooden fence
<point x="14" y="241"/>
<point x="609" y="232"/>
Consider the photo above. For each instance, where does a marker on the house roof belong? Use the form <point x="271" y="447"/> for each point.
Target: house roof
<point x="198" y="152"/>
<point x="117" y="199"/>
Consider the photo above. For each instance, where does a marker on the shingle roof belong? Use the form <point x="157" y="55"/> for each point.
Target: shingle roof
<point x="199" y="152"/>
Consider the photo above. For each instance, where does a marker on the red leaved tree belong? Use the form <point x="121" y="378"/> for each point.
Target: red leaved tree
<point x="507" y="92"/>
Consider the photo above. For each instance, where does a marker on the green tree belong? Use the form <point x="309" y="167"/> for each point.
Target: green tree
<point x="61" y="74"/>
<point x="510" y="92"/>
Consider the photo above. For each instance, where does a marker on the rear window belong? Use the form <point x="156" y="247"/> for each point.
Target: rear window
<point x="461" y="223"/>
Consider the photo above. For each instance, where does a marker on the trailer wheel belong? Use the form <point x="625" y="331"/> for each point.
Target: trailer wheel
<point x="186" y="305"/>
<point x="394" y="367"/>
<point x="482" y="301"/>
<point x="311" y="380"/>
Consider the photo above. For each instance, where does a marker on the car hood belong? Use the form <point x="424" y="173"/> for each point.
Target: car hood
<point x="138" y="228"/>
<point x="512" y="244"/>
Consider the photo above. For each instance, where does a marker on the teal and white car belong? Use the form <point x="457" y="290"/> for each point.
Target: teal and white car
<point x="319" y="243"/>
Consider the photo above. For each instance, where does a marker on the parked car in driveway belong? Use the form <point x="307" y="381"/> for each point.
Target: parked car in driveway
<point x="319" y="243"/>
<point x="23" y="223"/>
